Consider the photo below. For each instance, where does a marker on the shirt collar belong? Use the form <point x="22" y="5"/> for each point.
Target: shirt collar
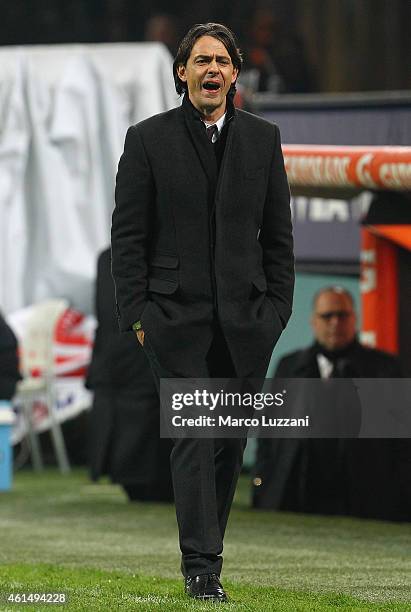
<point x="218" y="123"/>
<point x="325" y="366"/>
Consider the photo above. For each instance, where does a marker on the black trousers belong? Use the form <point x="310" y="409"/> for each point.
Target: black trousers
<point x="205" y="474"/>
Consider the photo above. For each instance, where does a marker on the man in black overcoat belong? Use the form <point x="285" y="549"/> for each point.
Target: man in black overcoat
<point x="368" y="478"/>
<point x="202" y="261"/>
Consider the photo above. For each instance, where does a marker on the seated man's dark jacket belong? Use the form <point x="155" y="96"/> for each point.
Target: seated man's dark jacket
<point x="360" y="477"/>
<point x="359" y="361"/>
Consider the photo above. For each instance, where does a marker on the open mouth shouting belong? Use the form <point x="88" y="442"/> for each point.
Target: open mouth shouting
<point x="211" y="86"/>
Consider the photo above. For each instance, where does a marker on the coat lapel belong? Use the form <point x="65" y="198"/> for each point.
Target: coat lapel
<point x="307" y="366"/>
<point x="200" y="141"/>
<point x="226" y="163"/>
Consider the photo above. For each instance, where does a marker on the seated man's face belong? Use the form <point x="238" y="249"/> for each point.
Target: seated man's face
<point x="333" y="320"/>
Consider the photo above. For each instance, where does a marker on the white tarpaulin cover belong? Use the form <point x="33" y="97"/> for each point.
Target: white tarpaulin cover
<point x="64" y="112"/>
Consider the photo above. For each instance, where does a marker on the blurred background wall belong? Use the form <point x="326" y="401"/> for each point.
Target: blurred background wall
<point x="325" y="46"/>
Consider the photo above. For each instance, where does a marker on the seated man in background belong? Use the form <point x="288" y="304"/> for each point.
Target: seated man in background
<point x="9" y="368"/>
<point x="124" y="433"/>
<point x="359" y="477"/>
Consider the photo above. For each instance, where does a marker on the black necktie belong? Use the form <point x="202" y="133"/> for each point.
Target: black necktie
<point x="211" y="130"/>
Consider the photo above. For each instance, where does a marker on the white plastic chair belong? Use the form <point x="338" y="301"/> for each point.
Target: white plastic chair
<point x="36" y="354"/>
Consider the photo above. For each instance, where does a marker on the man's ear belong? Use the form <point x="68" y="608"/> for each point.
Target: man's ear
<point x="182" y="74"/>
<point x="234" y="77"/>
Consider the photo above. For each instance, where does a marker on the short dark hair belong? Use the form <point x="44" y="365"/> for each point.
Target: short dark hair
<point x="217" y="30"/>
<point x="333" y="289"/>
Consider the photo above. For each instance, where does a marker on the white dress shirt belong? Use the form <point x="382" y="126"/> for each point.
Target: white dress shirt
<point x="219" y="124"/>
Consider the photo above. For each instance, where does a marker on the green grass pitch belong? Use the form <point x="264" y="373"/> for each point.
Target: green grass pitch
<point x="65" y="534"/>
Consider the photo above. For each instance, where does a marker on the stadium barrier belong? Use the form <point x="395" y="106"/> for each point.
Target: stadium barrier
<point x="342" y="166"/>
<point x="384" y="241"/>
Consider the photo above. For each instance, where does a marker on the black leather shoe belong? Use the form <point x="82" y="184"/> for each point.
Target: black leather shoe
<point x="206" y="586"/>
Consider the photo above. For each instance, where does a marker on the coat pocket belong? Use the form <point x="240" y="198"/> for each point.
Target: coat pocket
<point x="159" y="260"/>
<point x="163" y="274"/>
<point x="162" y="285"/>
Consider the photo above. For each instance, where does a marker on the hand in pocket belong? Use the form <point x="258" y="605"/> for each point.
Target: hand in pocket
<point x="140" y="336"/>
